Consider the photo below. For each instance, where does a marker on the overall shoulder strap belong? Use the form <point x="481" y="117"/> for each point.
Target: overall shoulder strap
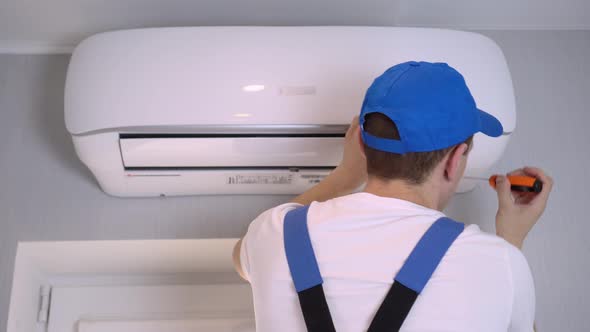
<point x="414" y="274"/>
<point x="305" y="272"/>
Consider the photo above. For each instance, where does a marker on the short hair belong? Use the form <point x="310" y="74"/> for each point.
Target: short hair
<point x="413" y="167"/>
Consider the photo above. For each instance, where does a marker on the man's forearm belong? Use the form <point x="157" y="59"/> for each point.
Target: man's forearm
<point x="514" y="240"/>
<point x="334" y="185"/>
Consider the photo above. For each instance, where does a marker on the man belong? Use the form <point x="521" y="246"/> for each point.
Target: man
<point x="417" y="123"/>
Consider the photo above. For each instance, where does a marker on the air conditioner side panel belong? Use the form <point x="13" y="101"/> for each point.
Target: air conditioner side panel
<point x="101" y="154"/>
<point x="481" y="159"/>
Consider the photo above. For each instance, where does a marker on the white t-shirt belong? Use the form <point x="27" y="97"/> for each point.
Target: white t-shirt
<point x="361" y="241"/>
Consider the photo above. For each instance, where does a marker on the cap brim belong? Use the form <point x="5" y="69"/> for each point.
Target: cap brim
<point x="489" y="125"/>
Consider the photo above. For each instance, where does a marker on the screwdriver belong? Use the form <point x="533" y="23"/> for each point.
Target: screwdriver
<point x="521" y="183"/>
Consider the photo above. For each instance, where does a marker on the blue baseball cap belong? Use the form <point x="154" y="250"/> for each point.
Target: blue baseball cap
<point x="430" y="105"/>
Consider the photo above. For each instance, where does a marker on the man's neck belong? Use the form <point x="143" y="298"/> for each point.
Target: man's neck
<point x="402" y="190"/>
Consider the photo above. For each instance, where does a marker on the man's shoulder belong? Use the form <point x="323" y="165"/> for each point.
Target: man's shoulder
<point x="490" y="249"/>
<point x="272" y="219"/>
<point x="505" y="269"/>
<point x="476" y="241"/>
<point x="473" y="235"/>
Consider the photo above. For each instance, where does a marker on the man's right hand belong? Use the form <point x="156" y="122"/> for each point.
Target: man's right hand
<point x="517" y="211"/>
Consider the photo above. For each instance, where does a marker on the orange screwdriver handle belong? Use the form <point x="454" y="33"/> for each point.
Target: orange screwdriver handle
<point x="521" y="183"/>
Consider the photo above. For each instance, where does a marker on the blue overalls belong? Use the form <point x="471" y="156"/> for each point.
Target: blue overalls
<point x="408" y="283"/>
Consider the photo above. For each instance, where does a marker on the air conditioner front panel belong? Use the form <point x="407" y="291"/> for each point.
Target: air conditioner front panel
<point x="230" y="152"/>
<point x="311" y="75"/>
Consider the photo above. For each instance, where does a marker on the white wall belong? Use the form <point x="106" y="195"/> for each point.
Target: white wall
<point x="48" y="195"/>
<point x="32" y="26"/>
<point x="57" y="25"/>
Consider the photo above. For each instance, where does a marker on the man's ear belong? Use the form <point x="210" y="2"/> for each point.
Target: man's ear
<point x="453" y="163"/>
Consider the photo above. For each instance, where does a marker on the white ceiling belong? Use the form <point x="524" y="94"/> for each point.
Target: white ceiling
<point x="41" y="26"/>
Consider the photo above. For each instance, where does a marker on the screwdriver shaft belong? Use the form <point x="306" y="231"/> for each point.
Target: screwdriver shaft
<point x="475" y="178"/>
